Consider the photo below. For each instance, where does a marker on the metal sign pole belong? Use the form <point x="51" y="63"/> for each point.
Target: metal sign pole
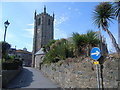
<point x="95" y="54"/>
<point x="98" y="78"/>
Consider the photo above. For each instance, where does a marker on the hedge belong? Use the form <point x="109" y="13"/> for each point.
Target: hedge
<point x="11" y="65"/>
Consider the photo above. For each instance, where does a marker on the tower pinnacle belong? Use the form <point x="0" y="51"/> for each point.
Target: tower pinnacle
<point x="53" y="15"/>
<point x="35" y="14"/>
<point x="44" y="9"/>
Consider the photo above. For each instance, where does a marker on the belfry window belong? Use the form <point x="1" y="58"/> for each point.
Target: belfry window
<point x="48" y="21"/>
<point x="39" y="21"/>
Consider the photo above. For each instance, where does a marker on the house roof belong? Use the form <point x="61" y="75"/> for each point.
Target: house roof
<point x="22" y="51"/>
<point x="40" y="52"/>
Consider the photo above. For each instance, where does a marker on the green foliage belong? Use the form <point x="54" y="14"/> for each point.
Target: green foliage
<point x="5" y="47"/>
<point x="83" y="43"/>
<point x="91" y="41"/>
<point x="12" y="64"/>
<point x="46" y="48"/>
<point x="117" y="8"/>
<point x="12" y="57"/>
<point x="92" y="38"/>
<point x="9" y="62"/>
<point x="79" y="42"/>
<point x="50" y="56"/>
<point x="103" y="13"/>
<point x="60" y="50"/>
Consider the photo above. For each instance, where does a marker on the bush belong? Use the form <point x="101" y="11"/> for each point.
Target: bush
<point x="60" y="50"/>
<point x="50" y="56"/>
<point x="11" y="65"/>
<point x="5" y="48"/>
<point x="46" y="48"/>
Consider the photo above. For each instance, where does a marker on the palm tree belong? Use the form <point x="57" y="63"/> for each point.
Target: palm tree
<point x="117" y="13"/>
<point x="84" y="42"/>
<point x="91" y="41"/>
<point x="103" y="13"/>
<point x="79" y="43"/>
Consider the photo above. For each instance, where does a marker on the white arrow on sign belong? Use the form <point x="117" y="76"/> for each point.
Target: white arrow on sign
<point x="96" y="53"/>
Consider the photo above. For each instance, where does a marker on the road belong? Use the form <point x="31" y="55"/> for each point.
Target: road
<point x="31" y="78"/>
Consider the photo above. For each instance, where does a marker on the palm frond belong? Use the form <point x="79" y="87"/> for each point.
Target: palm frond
<point x="117" y="8"/>
<point x="103" y="13"/>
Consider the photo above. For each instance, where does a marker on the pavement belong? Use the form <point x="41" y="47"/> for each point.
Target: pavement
<point x="31" y="78"/>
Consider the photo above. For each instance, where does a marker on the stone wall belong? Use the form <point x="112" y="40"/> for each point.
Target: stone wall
<point x="81" y="74"/>
<point x="38" y="61"/>
<point x="8" y="75"/>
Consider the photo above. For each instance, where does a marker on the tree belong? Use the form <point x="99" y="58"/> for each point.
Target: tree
<point x="84" y="42"/>
<point x="46" y="48"/>
<point x="103" y="13"/>
<point x="91" y="41"/>
<point x="117" y="13"/>
<point x="59" y="50"/>
<point x="79" y="43"/>
<point x="5" y="48"/>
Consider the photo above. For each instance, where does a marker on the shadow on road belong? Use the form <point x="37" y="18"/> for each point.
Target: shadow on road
<point x="24" y="79"/>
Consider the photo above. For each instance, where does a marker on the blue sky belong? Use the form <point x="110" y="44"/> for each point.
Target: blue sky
<point x="69" y="17"/>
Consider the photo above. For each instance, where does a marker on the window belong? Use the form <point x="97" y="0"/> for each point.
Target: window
<point x="39" y="21"/>
<point x="48" y="21"/>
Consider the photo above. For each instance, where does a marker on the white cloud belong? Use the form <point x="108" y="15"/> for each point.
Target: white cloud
<point x="58" y="32"/>
<point x="75" y="10"/>
<point x="30" y="32"/>
<point x="31" y="24"/>
<point x="60" y="20"/>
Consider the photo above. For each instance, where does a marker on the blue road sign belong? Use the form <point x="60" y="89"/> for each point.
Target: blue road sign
<point x="95" y="53"/>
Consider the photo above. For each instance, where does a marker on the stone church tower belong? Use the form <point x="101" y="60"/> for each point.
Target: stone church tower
<point x="43" y="31"/>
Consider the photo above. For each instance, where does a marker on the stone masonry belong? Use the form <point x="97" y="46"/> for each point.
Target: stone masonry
<point x="43" y="31"/>
<point x="81" y="74"/>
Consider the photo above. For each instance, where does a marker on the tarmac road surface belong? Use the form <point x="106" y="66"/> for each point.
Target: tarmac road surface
<point x="31" y="78"/>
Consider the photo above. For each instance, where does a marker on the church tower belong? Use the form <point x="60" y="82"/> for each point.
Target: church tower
<point x="43" y="31"/>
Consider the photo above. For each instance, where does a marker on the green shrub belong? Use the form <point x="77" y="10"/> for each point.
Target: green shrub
<point x="60" y="50"/>
<point x="5" y="48"/>
<point x="12" y="57"/>
<point x="50" y="56"/>
<point x="11" y="64"/>
<point x="46" y="48"/>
